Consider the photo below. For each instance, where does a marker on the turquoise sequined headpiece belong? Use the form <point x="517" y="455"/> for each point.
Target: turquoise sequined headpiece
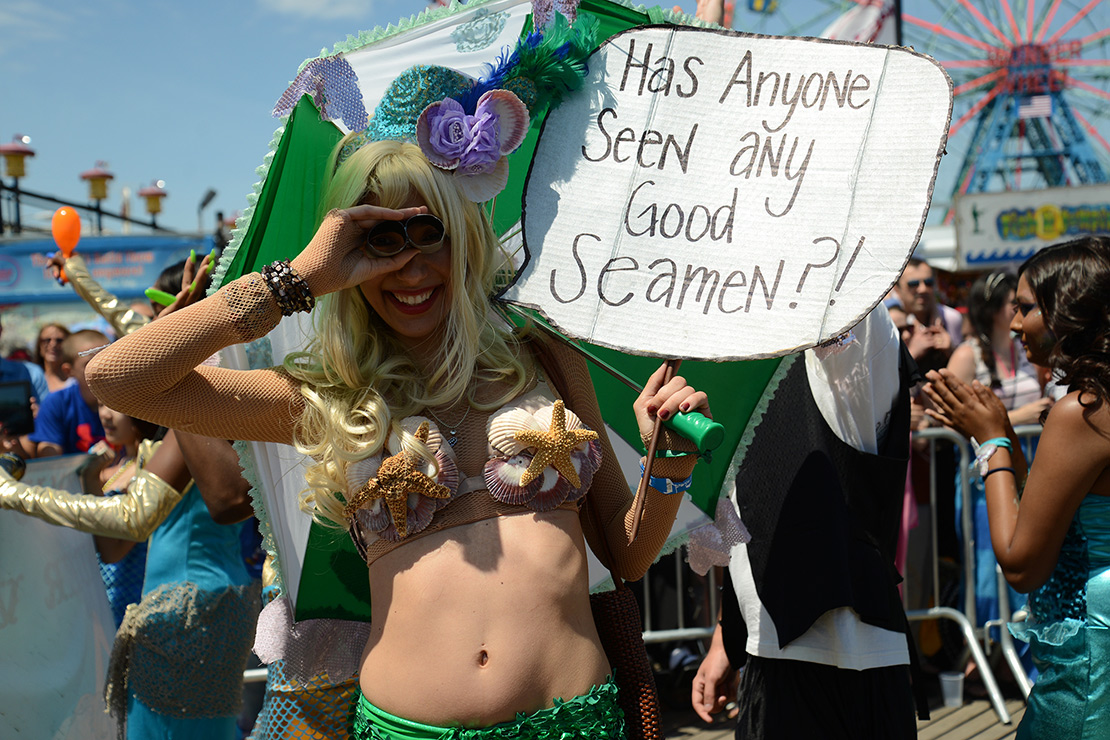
<point x="468" y="126"/>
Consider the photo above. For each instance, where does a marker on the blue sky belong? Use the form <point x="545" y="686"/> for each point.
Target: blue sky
<point x="182" y="92"/>
<point x="178" y="91"/>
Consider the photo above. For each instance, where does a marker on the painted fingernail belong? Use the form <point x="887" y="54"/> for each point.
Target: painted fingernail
<point x="212" y="255"/>
<point x="652" y="409"/>
<point x="664" y="414"/>
<point x="684" y="407"/>
<point x="193" y="285"/>
<point x="192" y="256"/>
<point x="159" y="296"/>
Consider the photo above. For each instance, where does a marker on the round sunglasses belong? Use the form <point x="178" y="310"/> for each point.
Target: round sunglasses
<point x="424" y="232"/>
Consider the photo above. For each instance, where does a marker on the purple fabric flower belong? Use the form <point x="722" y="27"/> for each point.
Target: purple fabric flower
<point x="454" y="140"/>
<point x="448" y="129"/>
<point x="474" y="146"/>
<point x="483" y="147"/>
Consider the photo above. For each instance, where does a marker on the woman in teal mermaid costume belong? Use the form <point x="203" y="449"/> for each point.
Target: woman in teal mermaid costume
<point x="1055" y="543"/>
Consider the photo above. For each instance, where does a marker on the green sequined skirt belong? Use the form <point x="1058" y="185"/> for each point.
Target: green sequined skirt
<point x="593" y="716"/>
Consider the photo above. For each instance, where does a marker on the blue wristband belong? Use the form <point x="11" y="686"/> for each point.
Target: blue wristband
<point x="666" y="485"/>
<point x="999" y="442"/>
<point x="987" y="449"/>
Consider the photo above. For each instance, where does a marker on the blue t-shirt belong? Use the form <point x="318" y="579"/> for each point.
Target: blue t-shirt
<point x="13" y="370"/>
<point x="65" y="419"/>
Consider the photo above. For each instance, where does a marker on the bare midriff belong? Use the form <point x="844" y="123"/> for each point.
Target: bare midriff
<point x="476" y="623"/>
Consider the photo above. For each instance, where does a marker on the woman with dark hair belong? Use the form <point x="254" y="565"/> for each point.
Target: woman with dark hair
<point x="1051" y="533"/>
<point x="48" y="355"/>
<point x="994" y="357"/>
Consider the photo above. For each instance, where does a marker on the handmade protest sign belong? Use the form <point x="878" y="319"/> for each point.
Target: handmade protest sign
<point x="711" y="195"/>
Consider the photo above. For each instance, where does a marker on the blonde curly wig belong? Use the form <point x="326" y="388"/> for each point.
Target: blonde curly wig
<point x="356" y="377"/>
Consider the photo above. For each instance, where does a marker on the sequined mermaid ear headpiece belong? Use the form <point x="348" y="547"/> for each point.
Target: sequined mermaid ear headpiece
<point x="468" y="126"/>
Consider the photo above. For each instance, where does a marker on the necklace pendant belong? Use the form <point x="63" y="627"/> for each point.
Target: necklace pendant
<point x="453" y="439"/>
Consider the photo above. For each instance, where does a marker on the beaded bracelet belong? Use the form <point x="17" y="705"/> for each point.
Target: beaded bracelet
<point x="289" y="289"/>
<point x="666" y="485"/>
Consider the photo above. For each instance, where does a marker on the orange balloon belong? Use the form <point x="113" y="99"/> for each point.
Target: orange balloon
<point x="66" y="227"/>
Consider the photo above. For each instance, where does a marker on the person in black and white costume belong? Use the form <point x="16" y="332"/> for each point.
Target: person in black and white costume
<point x="811" y="607"/>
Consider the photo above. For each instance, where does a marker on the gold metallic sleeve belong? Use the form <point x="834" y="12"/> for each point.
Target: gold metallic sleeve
<point x="116" y="312"/>
<point x="132" y="515"/>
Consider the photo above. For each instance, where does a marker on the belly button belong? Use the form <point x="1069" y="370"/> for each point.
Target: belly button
<point x="483" y="658"/>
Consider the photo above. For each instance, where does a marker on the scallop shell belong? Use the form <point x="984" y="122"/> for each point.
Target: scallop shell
<point x="361" y="471"/>
<point x="503" y="426"/>
<point x="586" y="463"/>
<point x="363" y="538"/>
<point x="554" y="490"/>
<point x="448" y="476"/>
<point x="436" y="441"/>
<point x="370" y="516"/>
<point x="513" y="118"/>
<point x="532" y="411"/>
<point x="543" y="418"/>
<point x="503" y="476"/>
<point x="373" y="517"/>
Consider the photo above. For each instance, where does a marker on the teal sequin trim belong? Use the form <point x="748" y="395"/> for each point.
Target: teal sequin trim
<point x="593" y="716"/>
<point x="414" y="90"/>
<point x="1058" y="609"/>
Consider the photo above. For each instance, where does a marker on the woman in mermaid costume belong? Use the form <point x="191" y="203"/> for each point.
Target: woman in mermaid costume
<point x="455" y="452"/>
<point x="176" y="669"/>
<point x="1051" y="532"/>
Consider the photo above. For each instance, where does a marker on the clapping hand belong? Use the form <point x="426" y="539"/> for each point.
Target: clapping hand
<point x="925" y="338"/>
<point x="972" y="410"/>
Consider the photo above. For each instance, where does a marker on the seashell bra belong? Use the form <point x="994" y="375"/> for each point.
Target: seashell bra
<point x="541" y="458"/>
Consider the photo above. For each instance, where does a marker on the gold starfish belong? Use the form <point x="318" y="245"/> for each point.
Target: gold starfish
<point x="553" y="447"/>
<point x="397" y="477"/>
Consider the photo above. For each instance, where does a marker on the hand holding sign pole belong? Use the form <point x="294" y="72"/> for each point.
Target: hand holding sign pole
<point x="65" y="226"/>
<point x="641" y="492"/>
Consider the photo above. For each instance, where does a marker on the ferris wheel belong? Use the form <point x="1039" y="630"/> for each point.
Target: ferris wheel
<point x="1031" y="82"/>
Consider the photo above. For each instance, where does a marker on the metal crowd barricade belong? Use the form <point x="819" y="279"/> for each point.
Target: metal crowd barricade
<point x="682" y="573"/>
<point x="966" y="619"/>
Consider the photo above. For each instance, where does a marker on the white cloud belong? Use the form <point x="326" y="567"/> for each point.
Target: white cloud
<point x="320" y="9"/>
<point x="27" y="22"/>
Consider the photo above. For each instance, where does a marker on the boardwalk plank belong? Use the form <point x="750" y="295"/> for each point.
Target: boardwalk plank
<point x="939" y="728"/>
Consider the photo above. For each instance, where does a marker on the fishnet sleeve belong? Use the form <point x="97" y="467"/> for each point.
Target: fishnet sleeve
<point x="153" y="373"/>
<point x="610" y="491"/>
<point x="123" y="319"/>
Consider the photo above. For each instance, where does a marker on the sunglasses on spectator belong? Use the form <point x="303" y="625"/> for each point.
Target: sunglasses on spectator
<point x="51" y="340"/>
<point x="424" y="232"/>
<point x="929" y="282"/>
